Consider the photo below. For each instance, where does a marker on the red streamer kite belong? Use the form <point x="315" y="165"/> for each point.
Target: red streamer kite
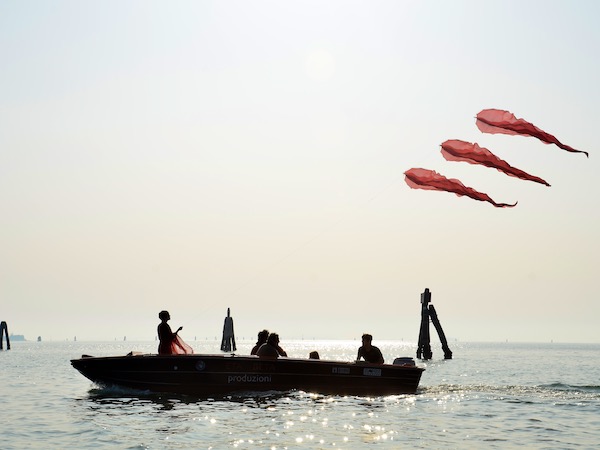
<point x="499" y="121"/>
<point x="455" y="150"/>
<point x="430" y="180"/>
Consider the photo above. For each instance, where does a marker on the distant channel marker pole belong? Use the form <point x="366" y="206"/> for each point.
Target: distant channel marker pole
<point x="4" y="331"/>
<point x="424" y="346"/>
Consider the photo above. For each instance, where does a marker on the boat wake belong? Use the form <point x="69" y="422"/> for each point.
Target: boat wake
<point x="99" y="391"/>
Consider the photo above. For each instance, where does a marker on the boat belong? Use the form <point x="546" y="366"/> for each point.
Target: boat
<point x="206" y="375"/>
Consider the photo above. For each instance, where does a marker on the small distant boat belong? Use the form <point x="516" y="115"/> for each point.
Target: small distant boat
<point x="206" y="375"/>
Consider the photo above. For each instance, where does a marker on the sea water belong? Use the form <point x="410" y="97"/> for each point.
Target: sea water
<point x="503" y="395"/>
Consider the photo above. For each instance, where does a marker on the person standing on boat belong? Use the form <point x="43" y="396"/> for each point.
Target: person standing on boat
<point x="170" y="343"/>
<point x="262" y="338"/>
<point x="271" y="348"/>
<point x="369" y="352"/>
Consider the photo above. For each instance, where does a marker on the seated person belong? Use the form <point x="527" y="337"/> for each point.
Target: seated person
<point x="313" y="355"/>
<point x="271" y="348"/>
<point x="369" y="352"/>
<point x="262" y="338"/>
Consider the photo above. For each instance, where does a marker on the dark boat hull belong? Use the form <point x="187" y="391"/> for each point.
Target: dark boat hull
<point x="218" y="375"/>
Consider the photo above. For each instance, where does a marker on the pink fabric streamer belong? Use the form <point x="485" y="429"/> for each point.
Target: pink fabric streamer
<point x="456" y="150"/>
<point x="431" y="180"/>
<point x="179" y="347"/>
<point x="498" y="121"/>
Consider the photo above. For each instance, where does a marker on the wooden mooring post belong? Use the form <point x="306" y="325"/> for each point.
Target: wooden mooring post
<point x="4" y="331"/>
<point x="424" y="348"/>
<point x="427" y="312"/>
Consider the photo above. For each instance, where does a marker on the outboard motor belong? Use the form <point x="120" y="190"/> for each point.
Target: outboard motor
<point x="404" y="361"/>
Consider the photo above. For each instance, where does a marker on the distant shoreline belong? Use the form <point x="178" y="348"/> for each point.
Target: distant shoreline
<point x="17" y="337"/>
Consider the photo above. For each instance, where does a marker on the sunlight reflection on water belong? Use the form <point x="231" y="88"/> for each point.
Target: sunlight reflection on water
<point x="482" y="398"/>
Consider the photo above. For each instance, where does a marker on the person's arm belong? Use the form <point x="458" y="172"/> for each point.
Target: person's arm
<point x="178" y="330"/>
<point x="359" y="354"/>
<point x="381" y="360"/>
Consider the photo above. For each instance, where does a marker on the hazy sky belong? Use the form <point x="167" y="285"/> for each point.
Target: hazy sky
<point x="194" y="156"/>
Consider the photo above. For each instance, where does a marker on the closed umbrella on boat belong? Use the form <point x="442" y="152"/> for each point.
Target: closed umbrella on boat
<point x="228" y="341"/>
